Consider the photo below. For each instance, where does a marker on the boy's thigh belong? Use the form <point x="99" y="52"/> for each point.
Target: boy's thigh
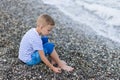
<point x="35" y="59"/>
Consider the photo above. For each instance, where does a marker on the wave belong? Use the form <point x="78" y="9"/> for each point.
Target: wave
<point x="102" y="16"/>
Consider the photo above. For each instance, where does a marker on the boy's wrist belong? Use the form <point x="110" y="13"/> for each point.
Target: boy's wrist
<point x="52" y="67"/>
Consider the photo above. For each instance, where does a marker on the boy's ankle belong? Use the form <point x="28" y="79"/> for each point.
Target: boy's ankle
<point x="61" y="64"/>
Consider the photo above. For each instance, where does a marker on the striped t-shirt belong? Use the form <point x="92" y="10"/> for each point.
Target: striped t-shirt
<point x="30" y="42"/>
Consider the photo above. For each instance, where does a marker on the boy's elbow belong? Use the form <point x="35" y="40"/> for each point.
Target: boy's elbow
<point x="42" y="55"/>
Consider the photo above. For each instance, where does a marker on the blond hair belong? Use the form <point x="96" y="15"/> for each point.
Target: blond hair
<point x="45" y="19"/>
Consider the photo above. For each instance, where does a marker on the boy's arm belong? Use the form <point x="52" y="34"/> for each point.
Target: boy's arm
<point x="46" y="61"/>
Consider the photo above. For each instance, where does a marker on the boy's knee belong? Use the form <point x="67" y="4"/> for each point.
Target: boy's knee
<point x="49" y="47"/>
<point x="44" y="39"/>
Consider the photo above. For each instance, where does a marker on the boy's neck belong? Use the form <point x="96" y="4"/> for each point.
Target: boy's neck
<point x="37" y="29"/>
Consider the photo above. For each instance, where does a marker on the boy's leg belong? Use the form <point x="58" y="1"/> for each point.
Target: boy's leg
<point x="61" y="64"/>
<point x="35" y="59"/>
<point x="54" y="62"/>
<point x="49" y="50"/>
<point x="45" y="40"/>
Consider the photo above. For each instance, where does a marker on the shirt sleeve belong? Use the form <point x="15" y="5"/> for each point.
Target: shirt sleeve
<point x="37" y="44"/>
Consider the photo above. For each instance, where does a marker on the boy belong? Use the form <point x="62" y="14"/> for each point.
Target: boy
<point x="34" y="48"/>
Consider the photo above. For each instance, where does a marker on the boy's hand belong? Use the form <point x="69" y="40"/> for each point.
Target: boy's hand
<point x="45" y="60"/>
<point x="57" y="70"/>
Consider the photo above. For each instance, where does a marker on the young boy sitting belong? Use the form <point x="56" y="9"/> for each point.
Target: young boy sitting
<point x="34" y="46"/>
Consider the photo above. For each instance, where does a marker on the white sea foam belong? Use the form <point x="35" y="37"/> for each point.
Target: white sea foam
<point x="102" y="16"/>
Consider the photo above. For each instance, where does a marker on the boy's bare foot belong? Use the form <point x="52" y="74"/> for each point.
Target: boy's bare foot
<point x="66" y="67"/>
<point x="62" y="61"/>
<point x="63" y="65"/>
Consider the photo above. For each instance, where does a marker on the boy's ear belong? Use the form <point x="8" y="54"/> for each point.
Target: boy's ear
<point x="41" y="26"/>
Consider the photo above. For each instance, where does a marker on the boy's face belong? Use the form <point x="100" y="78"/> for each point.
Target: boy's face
<point x="46" y="30"/>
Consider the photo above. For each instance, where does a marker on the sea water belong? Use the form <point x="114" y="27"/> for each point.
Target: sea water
<point x="103" y="16"/>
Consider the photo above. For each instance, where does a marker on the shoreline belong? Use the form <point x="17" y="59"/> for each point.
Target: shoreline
<point x="88" y="53"/>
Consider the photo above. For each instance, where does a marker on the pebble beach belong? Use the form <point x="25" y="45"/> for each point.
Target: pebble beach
<point x="93" y="57"/>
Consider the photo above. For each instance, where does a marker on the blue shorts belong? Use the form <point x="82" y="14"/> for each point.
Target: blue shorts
<point x="48" y="49"/>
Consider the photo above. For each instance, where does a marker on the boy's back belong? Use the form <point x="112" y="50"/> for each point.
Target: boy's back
<point x="30" y="42"/>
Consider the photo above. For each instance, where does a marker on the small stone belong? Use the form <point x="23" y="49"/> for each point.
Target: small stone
<point x="40" y="76"/>
<point x="4" y="60"/>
